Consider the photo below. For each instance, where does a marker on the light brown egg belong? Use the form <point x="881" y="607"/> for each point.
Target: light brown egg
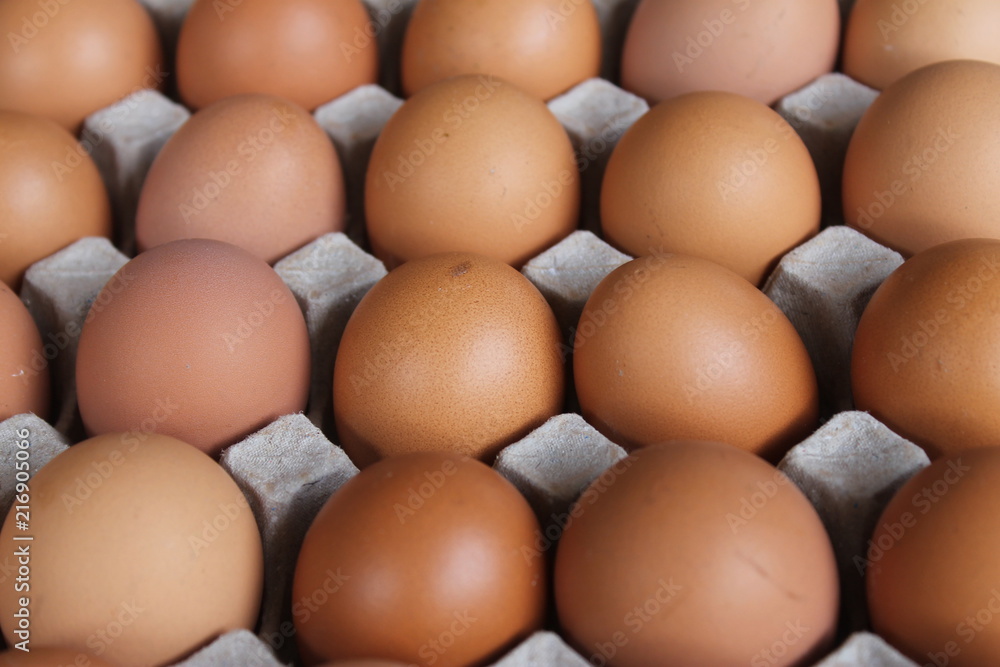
<point x="544" y="47"/>
<point x="696" y="553"/>
<point x="24" y="374"/>
<point x="927" y="349"/>
<point x="142" y="552"/>
<point x="714" y="175"/>
<point x="471" y="164"/>
<point x="51" y="193"/>
<point x="940" y="530"/>
<point x="49" y="657"/>
<point x="671" y="347"/>
<point x="455" y="352"/>
<point x="308" y="51"/>
<point x="196" y="339"/>
<point x="427" y="558"/>
<point x="66" y="60"/>
<point x="763" y="49"/>
<point x="921" y="166"/>
<point x="887" y="39"/>
<point x="254" y="170"/>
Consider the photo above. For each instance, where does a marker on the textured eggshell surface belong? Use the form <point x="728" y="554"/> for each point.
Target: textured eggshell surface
<point x="696" y="553"/>
<point x="166" y="552"/>
<point x="544" y="47"/>
<point x="927" y="350"/>
<point x="431" y="559"/>
<point x="24" y="372"/>
<point x="673" y="347"/>
<point x="471" y="164"/>
<point x="51" y="193"/>
<point x="921" y="168"/>
<point x="454" y="352"/>
<point x="714" y="175"/>
<point x="303" y="50"/>
<point x="256" y="171"/>
<point x="196" y="339"/>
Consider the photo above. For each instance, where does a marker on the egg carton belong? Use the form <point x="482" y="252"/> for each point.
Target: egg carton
<point x="849" y="468"/>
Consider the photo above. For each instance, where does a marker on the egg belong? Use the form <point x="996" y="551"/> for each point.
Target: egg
<point x="696" y="553"/>
<point x="453" y="352"/>
<point x="714" y="175"/>
<point x="672" y="347"/>
<point x="24" y="375"/>
<point x="921" y="166"/>
<point x="887" y="39"/>
<point x="195" y="339"/>
<point x="509" y="39"/>
<point x="308" y="51"/>
<point x="763" y="49"/>
<point x="164" y="552"/>
<point x="51" y="193"/>
<point x="927" y="348"/>
<point x="49" y="657"/>
<point x="425" y="558"/>
<point x="471" y="164"/>
<point x="256" y="171"/>
<point x="940" y="530"/>
<point x="69" y="59"/>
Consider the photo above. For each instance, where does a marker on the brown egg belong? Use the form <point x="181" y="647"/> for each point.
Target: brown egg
<point x="67" y="60"/>
<point x="51" y="193"/>
<point x="141" y="553"/>
<point x="921" y="166"/>
<point x="425" y="558"/>
<point x="471" y="164"/>
<point x="544" y="47"/>
<point x="932" y="573"/>
<point x="671" y="347"/>
<point x="254" y="170"/>
<point x="195" y="339"/>
<point x="763" y="49"/>
<point x="454" y="352"/>
<point x="309" y="51"/>
<point x="927" y="349"/>
<point x="714" y="175"/>
<point x="887" y="39"/>
<point x="49" y="657"/>
<point x="23" y="388"/>
<point x="696" y="553"/>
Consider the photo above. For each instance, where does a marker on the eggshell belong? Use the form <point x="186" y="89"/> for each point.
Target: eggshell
<point x="932" y="571"/>
<point x="51" y="193"/>
<point x="714" y="175"/>
<point x="471" y="164"/>
<point x="509" y="40"/>
<point x="763" y="49"/>
<point x="887" y="39"/>
<point x="921" y="166"/>
<point x="309" y="51"/>
<point x="696" y="553"/>
<point x="426" y="558"/>
<point x="454" y="352"/>
<point x="23" y="387"/>
<point x="674" y="347"/>
<point x="49" y="657"/>
<point x="196" y="339"/>
<point x="927" y="350"/>
<point x="165" y="552"/>
<point x="253" y="170"/>
<point x="67" y="60"/>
